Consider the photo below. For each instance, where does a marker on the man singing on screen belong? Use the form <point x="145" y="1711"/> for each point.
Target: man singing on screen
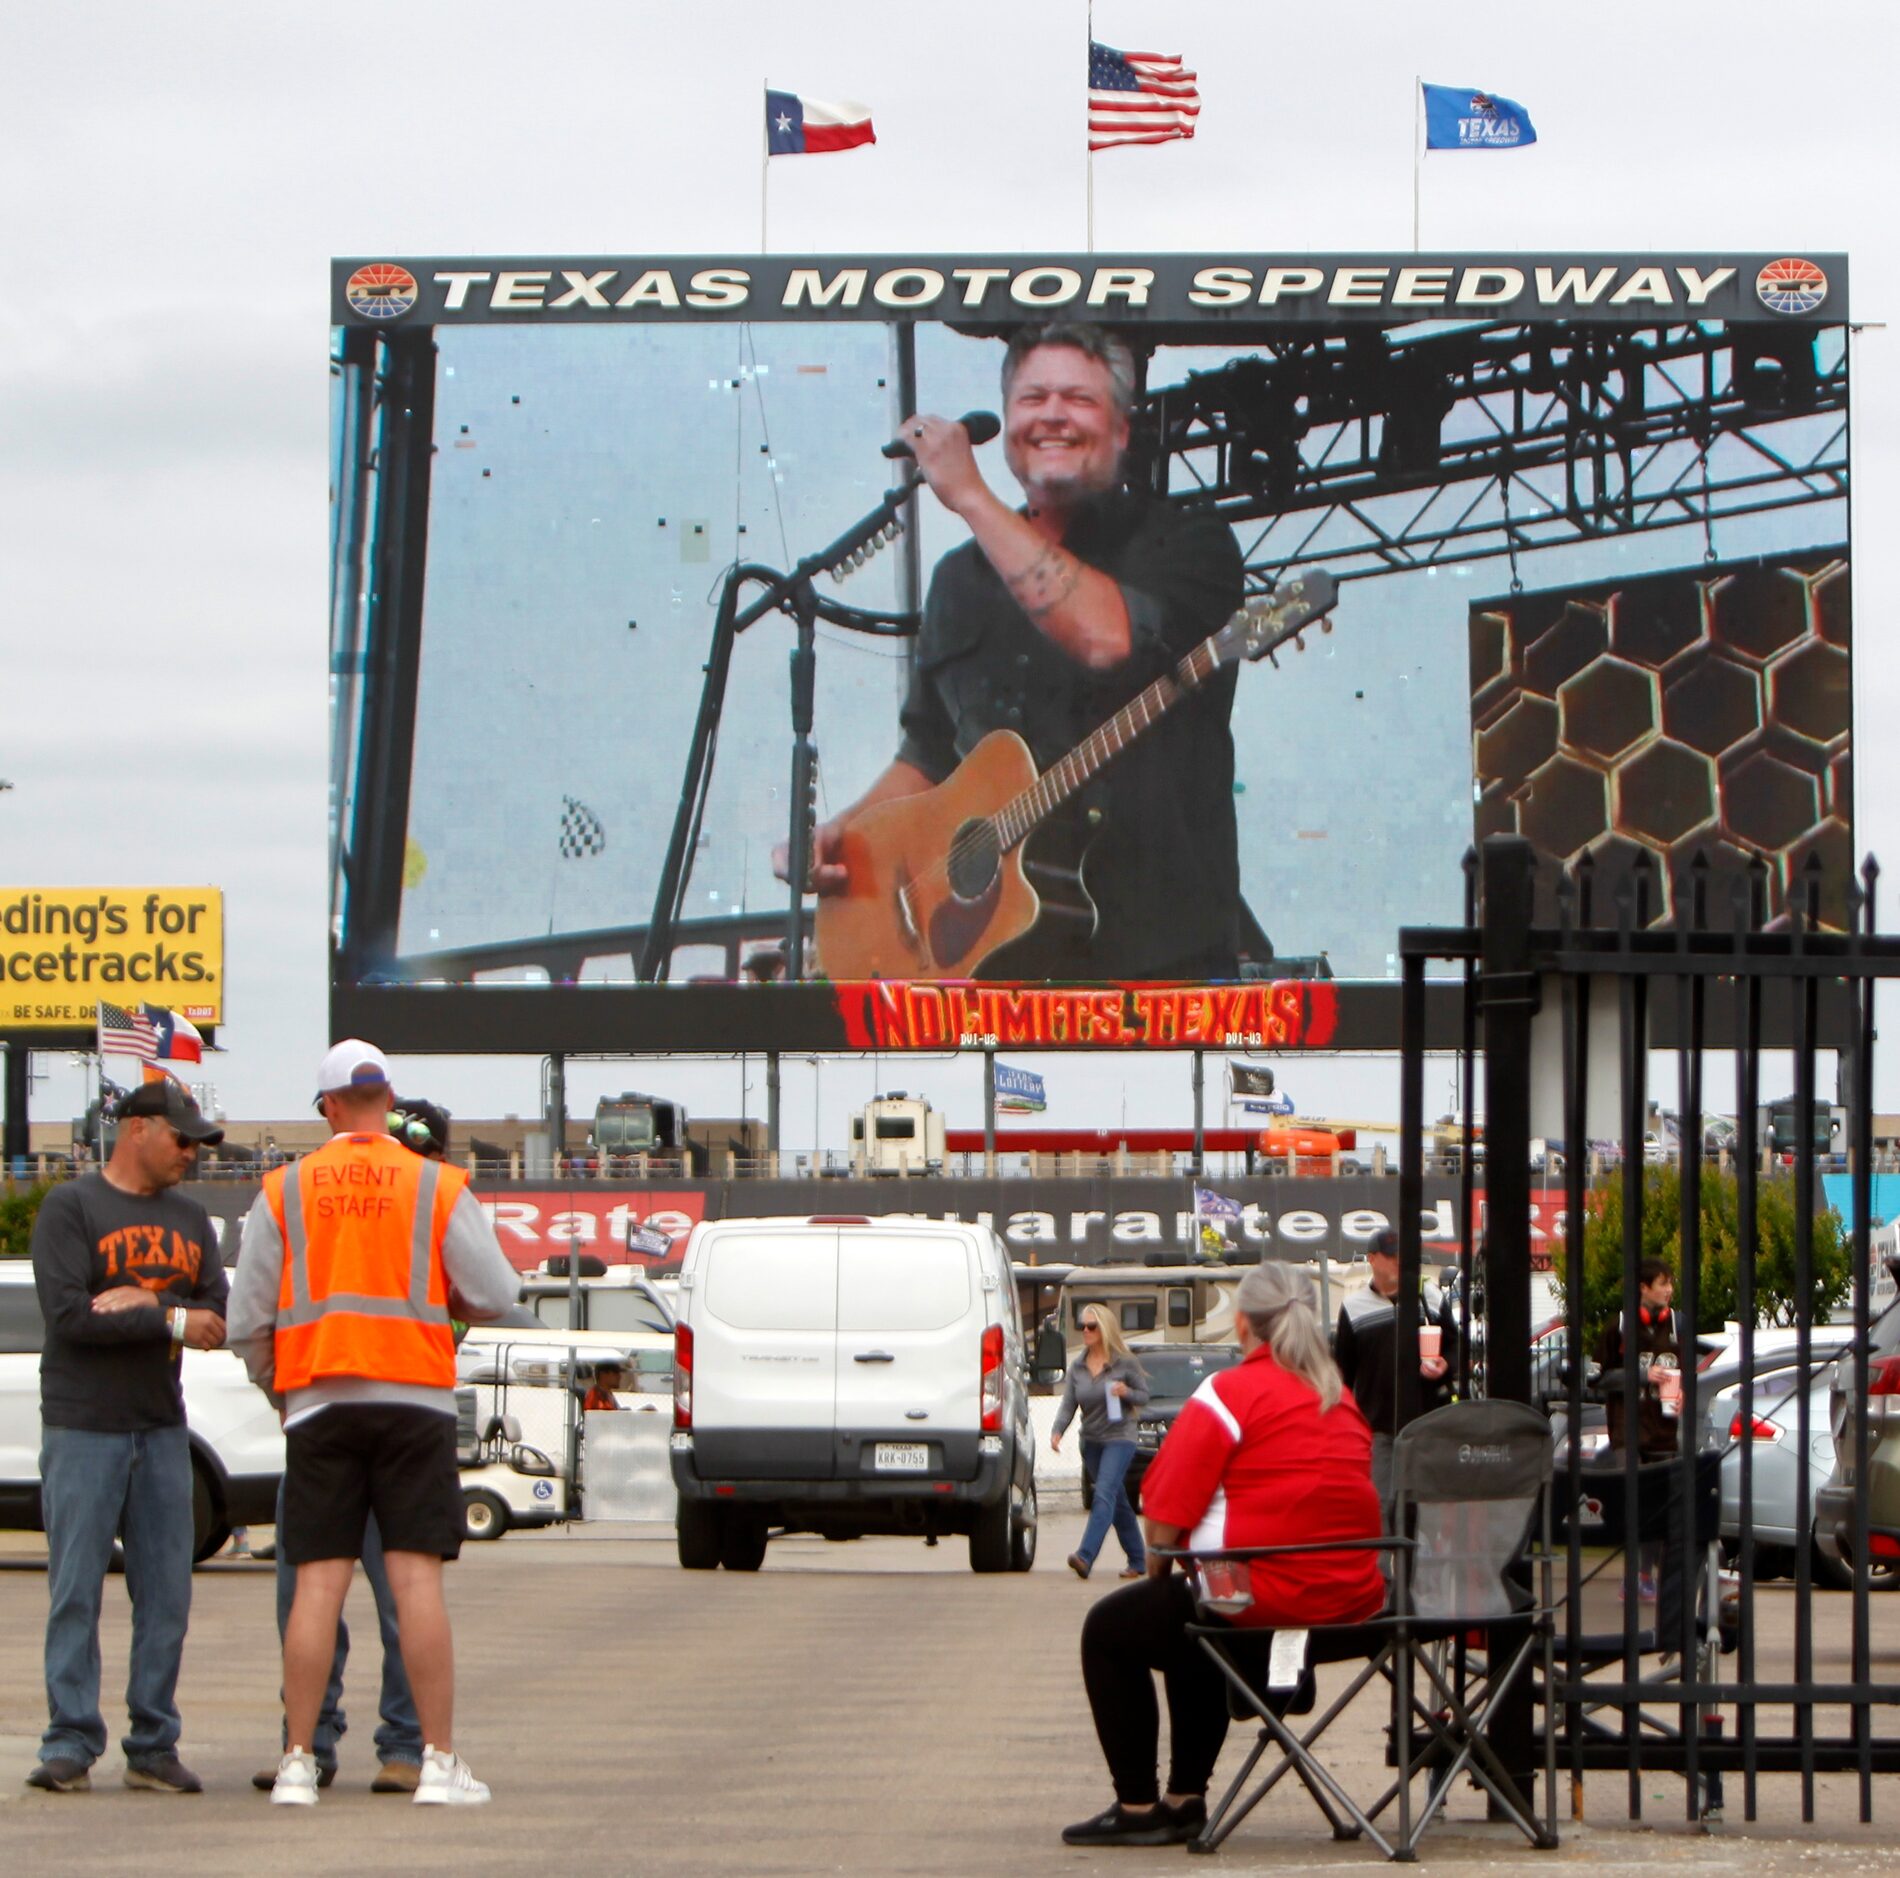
<point x="1046" y="622"/>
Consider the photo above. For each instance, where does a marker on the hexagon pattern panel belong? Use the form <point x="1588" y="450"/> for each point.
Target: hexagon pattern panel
<point x="1702" y="712"/>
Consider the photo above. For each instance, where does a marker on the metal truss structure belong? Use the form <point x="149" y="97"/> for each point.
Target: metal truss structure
<point x="1379" y="451"/>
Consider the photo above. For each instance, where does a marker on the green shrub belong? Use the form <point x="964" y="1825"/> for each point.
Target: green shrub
<point x="1661" y="1238"/>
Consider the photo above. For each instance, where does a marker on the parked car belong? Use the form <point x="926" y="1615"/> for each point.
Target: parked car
<point x="1869" y="1389"/>
<point x="1771" y="1430"/>
<point x="848" y="1376"/>
<point x="1175" y="1371"/>
<point x="237" y="1444"/>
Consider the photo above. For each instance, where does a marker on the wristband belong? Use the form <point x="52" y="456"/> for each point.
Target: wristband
<point x="178" y="1323"/>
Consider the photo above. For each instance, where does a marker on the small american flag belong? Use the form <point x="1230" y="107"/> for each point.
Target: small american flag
<point x="126" y="1033"/>
<point x="1139" y="97"/>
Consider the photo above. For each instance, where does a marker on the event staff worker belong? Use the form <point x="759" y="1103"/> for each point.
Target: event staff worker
<point x="600" y="1394"/>
<point x="129" y="1277"/>
<point x="1046" y="622"/>
<point x="1365" y="1344"/>
<point x="1270" y="1452"/>
<point x="423" y="1129"/>
<point x="351" y="1263"/>
<point x="1661" y="1338"/>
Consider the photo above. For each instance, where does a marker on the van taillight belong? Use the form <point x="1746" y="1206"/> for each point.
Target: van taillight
<point x="990" y="1387"/>
<point x="1755" y="1428"/>
<point x="1883" y="1376"/>
<point x="682" y="1375"/>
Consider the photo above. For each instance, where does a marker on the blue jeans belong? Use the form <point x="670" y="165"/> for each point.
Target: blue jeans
<point x="399" y="1736"/>
<point x="94" y="1487"/>
<point x="1108" y="1463"/>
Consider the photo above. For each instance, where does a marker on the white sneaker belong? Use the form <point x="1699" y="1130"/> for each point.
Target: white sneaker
<point x="296" y="1783"/>
<point x="446" y="1781"/>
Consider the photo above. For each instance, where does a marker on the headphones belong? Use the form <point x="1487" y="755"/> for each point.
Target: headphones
<point x="412" y="1130"/>
<point x="1653" y="1314"/>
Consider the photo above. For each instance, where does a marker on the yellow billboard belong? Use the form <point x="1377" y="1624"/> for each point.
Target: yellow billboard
<point x="62" y="949"/>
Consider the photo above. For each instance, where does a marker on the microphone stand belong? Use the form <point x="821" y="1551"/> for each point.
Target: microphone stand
<point x="793" y="593"/>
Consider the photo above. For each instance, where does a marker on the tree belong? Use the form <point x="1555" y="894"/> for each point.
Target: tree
<point x="19" y="1207"/>
<point x="1660" y="1237"/>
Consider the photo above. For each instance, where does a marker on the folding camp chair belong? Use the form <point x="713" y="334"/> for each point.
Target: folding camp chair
<point x="1614" y="1612"/>
<point x="1471" y="1567"/>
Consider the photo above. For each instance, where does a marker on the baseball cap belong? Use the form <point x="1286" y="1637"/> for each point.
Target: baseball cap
<point x="171" y="1102"/>
<point x="352" y="1064"/>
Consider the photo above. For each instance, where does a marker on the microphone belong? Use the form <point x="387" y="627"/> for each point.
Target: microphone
<point x="980" y="426"/>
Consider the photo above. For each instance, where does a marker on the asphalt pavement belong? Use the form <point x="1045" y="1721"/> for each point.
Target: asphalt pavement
<point x="873" y="1707"/>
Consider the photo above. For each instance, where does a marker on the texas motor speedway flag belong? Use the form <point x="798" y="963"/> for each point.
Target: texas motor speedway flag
<point x="796" y="126"/>
<point x="1459" y="118"/>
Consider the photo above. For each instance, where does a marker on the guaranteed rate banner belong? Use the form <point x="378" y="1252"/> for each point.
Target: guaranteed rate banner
<point x="62" y="949"/>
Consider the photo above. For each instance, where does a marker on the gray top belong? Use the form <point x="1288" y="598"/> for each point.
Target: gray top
<point x="1089" y="1393"/>
<point x="482" y="1285"/>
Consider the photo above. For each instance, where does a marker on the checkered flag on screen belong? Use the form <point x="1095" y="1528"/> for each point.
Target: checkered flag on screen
<point x="581" y="832"/>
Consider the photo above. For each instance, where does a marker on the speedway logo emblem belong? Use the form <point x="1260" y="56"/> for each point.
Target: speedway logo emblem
<point x="381" y="291"/>
<point x="1791" y="286"/>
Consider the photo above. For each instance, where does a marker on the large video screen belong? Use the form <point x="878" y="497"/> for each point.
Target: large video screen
<point x="654" y="580"/>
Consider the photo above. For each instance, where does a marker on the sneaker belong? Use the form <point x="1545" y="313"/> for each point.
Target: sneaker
<point x="445" y="1780"/>
<point x="396" y="1777"/>
<point x="266" y="1777"/>
<point x="1114" y="1827"/>
<point x="61" y="1775"/>
<point x="297" y="1780"/>
<point x="165" y="1773"/>
<point x="1186" y="1821"/>
<point x="1078" y="1564"/>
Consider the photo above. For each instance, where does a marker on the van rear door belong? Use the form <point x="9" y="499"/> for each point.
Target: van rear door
<point x="765" y="1335"/>
<point x="910" y="1332"/>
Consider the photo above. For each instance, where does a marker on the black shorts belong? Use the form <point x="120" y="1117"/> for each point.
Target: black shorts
<point x="358" y="1458"/>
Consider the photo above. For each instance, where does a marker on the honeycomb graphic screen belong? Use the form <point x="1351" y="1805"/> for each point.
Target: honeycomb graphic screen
<point x="1592" y="568"/>
<point x="1701" y="715"/>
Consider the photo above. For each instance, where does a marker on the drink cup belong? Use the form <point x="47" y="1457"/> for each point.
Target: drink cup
<point x="1226" y="1584"/>
<point x="1431" y="1341"/>
<point x="1669" y="1388"/>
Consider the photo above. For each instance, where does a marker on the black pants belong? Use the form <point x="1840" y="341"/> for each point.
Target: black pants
<point x="1129" y="1634"/>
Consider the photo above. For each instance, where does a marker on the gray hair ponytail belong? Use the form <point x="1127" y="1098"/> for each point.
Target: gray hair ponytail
<point x="1277" y="1302"/>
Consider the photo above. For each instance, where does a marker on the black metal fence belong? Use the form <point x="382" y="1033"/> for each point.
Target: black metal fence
<point x="1678" y="1494"/>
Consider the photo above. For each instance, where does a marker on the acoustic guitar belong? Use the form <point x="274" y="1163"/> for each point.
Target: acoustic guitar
<point x="936" y="883"/>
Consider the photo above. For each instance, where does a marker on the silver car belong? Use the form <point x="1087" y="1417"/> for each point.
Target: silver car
<point x="1873" y="1389"/>
<point x="1771" y="1432"/>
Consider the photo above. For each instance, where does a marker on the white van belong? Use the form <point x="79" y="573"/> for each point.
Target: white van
<point x="847" y="1376"/>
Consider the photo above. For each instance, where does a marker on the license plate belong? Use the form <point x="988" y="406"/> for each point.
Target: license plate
<point x="902" y="1457"/>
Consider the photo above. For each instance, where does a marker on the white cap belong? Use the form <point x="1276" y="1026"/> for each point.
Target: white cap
<point x="352" y="1064"/>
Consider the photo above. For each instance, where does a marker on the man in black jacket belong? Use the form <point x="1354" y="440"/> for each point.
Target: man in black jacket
<point x="1365" y="1347"/>
<point x="129" y="1276"/>
<point x="1660" y="1341"/>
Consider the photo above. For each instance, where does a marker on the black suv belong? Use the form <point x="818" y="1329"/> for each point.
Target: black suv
<point x="1175" y="1371"/>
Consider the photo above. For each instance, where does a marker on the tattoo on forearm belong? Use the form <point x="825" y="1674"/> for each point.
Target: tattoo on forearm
<point x="1046" y="582"/>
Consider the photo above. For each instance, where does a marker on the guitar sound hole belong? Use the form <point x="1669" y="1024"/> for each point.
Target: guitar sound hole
<point x="974" y="854"/>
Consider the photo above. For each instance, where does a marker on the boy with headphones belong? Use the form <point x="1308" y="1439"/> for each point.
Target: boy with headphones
<point x="1660" y="1341"/>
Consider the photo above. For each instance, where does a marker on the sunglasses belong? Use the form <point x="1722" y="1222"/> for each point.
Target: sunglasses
<point x="185" y="1142"/>
<point x="1091" y="1330"/>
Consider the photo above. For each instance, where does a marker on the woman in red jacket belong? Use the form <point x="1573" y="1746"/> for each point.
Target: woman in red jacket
<point x="1270" y="1452"/>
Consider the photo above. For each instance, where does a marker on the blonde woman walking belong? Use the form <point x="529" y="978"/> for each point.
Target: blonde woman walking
<point x="1107" y="1384"/>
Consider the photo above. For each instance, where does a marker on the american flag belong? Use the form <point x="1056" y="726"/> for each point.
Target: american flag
<point x="1139" y="97"/>
<point x="126" y="1033"/>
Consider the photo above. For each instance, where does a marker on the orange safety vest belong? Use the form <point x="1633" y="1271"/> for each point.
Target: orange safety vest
<point x="364" y="1292"/>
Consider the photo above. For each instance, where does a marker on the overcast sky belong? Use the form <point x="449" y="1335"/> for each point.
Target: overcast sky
<point x="177" y="178"/>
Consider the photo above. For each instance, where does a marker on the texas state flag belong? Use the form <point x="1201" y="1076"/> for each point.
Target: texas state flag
<point x="796" y="126"/>
<point x="178" y="1038"/>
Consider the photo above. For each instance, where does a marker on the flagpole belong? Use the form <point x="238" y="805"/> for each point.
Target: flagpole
<point x="765" y="164"/>
<point x="1088" y="155"/>
<point x="1418" y="149"/>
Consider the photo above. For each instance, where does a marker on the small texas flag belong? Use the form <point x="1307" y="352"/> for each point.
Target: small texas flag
<point x="178" y="1038"/>
<point x="796" y="126"/>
